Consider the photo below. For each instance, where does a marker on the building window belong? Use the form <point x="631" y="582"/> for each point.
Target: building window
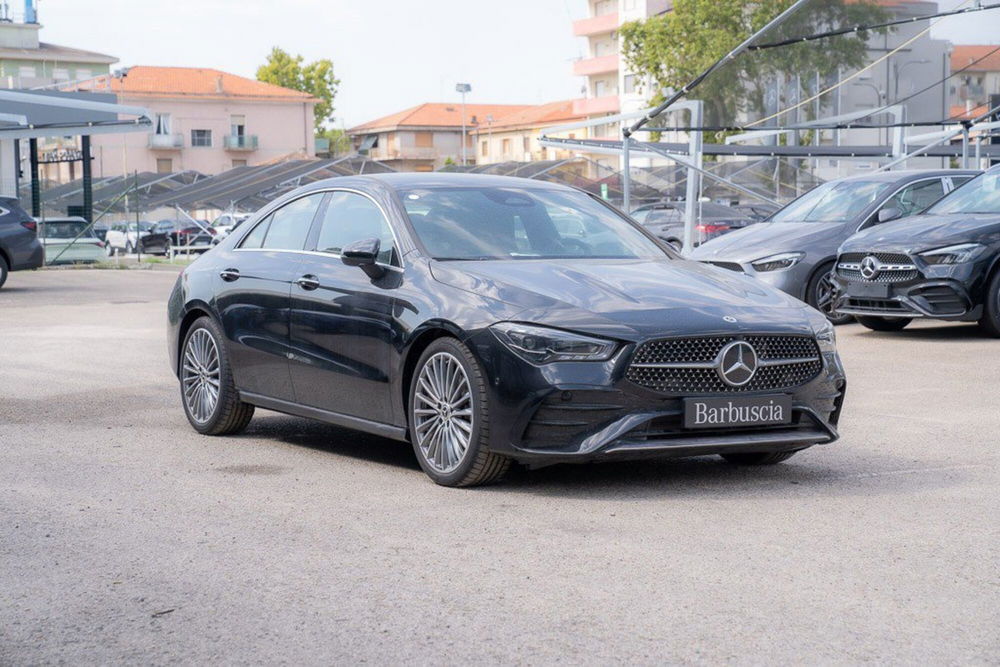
<point x="238" y="125"/>
<point x="239" y="163"/>
<point x="484" y="148"/>
<point x="162" y="123"/>
<point x="164" y="165"/>
<point x="423" y="139"/>
<point x="506" y="146"/>
<point x="201" y="138"/>
<point x="83" y="74"/>
<point x="27" y="72"/>
<point x="60" y="74"/>
<point x="629" y="84"/>
<point x="526" y="144"/>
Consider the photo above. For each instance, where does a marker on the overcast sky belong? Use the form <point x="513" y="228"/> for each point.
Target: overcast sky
<point x="389" y="54"/>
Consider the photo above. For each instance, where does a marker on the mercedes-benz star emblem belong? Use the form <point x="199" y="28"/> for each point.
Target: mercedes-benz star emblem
<point x="737" y="363"/>
<point x="870" y="267"/>
<point x="730" y="319"/>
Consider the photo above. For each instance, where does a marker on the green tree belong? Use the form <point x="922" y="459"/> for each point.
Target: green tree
<point x="674" y="48"/>
<point x="315" y="78"/>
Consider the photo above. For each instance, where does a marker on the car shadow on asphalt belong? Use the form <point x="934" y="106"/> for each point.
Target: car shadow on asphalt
<point x="819" y="471"/>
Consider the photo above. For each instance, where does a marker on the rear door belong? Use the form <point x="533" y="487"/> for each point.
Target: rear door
<point x="341" y="320"/>
<point x="252" y="297"/>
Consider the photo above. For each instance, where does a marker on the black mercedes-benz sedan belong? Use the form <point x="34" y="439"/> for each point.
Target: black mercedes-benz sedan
<point x="943" y="264"/>
<point x="488" y="320"/>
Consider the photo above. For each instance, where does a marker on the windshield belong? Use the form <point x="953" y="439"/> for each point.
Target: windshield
<point x="837" y="201"/>
<point x="66" y="230"/>
<point x="516" y="223"/>
<point x="980" y="195"/>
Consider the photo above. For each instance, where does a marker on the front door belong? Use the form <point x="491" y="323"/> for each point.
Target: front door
<point x="341" y="320"/>
<point x="253" y="297"/>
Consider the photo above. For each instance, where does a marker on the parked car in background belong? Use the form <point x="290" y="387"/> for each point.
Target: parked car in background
<point x="20" y="248"/>
<point x="186" y="235"/>
<point x="471" y="316"/>
<point x="70" y="241"/>
<point x="796" y="248"/>
<point x="126" y="237"/>
<point x="666" y="220"/>
<point x="943" y="264"/>
<point x="226" y="223"/>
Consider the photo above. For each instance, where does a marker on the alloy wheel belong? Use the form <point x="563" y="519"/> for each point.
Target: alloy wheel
<point x="201" y="375"/>
<point x="442" y="412"/>
<point x="824" y="295"/>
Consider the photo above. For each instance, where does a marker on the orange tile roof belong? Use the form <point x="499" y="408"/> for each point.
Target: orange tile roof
<point x="439" y="114"/>
<point x="963" y="55"/>
<point x="536" y="116"/>
<point x="193" y="82"/>
<point x="959" y="112"/>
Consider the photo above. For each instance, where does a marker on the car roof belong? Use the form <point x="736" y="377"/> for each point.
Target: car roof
<point x="74" y="218"/>
<point x="909" y="175"/>
<point x="408" y="180"/>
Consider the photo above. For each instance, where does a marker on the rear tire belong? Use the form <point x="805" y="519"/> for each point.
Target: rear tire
<point x="884" y="323"/>
<point x="4" y="270"/>
<point x="819" y="294"/>
<point x="449" y="387"/>
<point x="990" y="321"/>
<point x="200" y="378"/>
<point x="758" y="458"/>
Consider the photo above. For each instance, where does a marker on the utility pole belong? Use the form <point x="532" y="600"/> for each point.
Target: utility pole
<point x="463" y="88"/>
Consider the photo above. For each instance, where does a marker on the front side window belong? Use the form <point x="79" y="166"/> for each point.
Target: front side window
<point x="351" y="217"/>
<point x="981" y="195"/>
<point x="916" y="197"/>
<point x="289" y="225"/>
<point x="521" y="223"/>
<point x="837" y="201"/>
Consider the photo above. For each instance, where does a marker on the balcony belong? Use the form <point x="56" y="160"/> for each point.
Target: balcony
<point x="598" y="65"/>
<point x="240" y="142"/>
<point x="595" y="106"/>
<point x="166" y="142"/>
<point x="596" y="25"/>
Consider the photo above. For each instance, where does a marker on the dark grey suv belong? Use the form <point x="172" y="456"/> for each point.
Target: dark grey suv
<point x="795" y="249"/>
<point x="20" y="248"/>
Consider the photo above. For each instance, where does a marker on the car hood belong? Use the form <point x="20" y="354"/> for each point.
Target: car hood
<point x="926" y="232"/>
<point x="630" y="299"/>
<point x="769" y="238"/>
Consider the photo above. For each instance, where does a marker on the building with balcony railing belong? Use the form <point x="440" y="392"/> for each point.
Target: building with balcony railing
<point x="205" y="120"/>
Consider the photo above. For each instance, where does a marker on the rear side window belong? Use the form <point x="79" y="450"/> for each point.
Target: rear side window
<point x="915" y="198"/>
<point x="256" y="236"/>
<point x="289" y="225"/>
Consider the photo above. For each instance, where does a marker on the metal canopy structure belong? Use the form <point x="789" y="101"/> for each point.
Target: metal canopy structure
<point x="249" y="188"/>
<point x="109" y="194"/>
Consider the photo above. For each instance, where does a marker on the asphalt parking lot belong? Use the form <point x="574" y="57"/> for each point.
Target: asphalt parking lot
<point x="127" y="537"/>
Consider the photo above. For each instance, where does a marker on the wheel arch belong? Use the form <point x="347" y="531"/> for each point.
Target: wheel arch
<point x="195" y="311"/>
<point x="6" y="257"/>
<point x="421" y="341"/>
<point x="804" y="295"/>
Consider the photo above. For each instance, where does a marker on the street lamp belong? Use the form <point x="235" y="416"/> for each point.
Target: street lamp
<point x="463" y="88"/>
<point x="899" y="70"/>
<point x="879" y="94"/>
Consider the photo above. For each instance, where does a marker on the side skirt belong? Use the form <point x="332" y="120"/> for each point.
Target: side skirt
<point x="356" y="423"/>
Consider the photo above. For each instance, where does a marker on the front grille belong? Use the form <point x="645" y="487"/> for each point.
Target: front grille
<point x="884" y="257"/>
<point x="662" y="365"/>
<point x="885" y="275"/>
<point x="882" y="277"/>
<point x="730" y="266"/>
<point x="877" y="305"/>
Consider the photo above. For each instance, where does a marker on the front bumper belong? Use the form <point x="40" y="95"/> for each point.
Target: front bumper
<point x="791" y="281"/>
<point x="935" y="292"/>
<point x="585" y="411"/>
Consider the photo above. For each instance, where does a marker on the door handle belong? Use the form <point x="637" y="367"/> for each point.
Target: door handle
<point x="229" y="275"/>
<point x="308" y="282"/>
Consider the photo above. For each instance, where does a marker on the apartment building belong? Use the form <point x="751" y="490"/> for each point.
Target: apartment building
<point x="204" y="120"/>
<point x="427" y="136"/>
<point x="514" y="136"/>
<point x="971" y="90"/>
<point x="28" y="62"/>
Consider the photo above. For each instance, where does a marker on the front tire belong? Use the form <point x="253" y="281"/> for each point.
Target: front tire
<point x="4" y="270"/>
<point x="884" y="323"/>
<point x="449" y="417"/>
<point x="990" y="321"/>
<point x="819" y="294"/>
<point x="209" y="396"/>
<point x="758" y="458"/>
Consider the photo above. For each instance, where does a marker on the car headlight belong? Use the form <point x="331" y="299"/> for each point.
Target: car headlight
<point x="541" y="345"/>
<point x="780" y="262"/>
<point x="953" y="254"/>
<point x="826" y="335"/>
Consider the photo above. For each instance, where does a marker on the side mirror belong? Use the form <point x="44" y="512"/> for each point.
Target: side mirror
<point x="887" y="214"/>
<point x="364" y="254"/>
